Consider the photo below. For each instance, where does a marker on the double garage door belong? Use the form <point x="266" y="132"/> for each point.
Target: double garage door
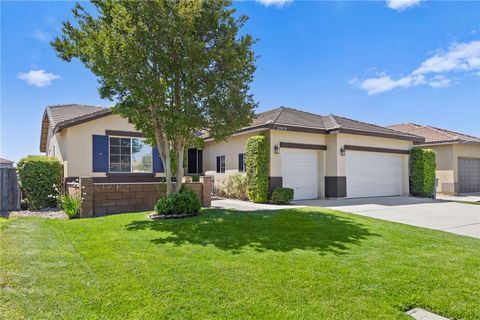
<point x="369" y="174"/>
<point x="468" y="175"/>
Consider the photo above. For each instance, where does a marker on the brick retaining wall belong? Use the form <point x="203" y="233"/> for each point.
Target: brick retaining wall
<point x="110" y="198"/>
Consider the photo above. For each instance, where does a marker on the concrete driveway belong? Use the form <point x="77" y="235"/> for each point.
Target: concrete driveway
<point x="449" y="216"/>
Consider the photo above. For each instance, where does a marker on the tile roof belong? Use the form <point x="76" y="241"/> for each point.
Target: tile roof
<point x="435" y="135"/>
<point x="58" y="117"/>
<point x="297" y="118"/>
<point x="3" y="160"/>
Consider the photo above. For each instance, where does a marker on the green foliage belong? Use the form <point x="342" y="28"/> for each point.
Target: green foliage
<point x="40" y="180"/>
<point x="282" y="195"/>
<point x="185" y="201"/>
<point x="257" y="168"/>
<point x="422" y="172"/>
<point x="234" y="186"/>
<point x="70" y="205"/>
<point x="173" y="68"/>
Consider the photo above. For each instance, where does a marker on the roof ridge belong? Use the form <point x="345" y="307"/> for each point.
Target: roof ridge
<point x="279" y="112"/>
<point x="65" y="105"/>
<point x="378" y="126"/>
<point x="334" y="121"/>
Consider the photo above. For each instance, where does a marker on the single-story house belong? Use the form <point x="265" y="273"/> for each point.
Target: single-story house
<point x="457" y="157"/>
<point x="318" y="156"/>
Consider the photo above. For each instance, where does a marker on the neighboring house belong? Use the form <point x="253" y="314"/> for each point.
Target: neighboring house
<point x="318" y="156"/>
<point x="4" y="163"/>
<point x="457" y="159"/>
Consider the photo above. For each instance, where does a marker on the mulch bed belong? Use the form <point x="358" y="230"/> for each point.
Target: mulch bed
<point x="159" y="216"/>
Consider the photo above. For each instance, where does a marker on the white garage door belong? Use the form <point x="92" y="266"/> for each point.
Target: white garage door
<point x="372" y="174"/>
<point x="300" y="172"/>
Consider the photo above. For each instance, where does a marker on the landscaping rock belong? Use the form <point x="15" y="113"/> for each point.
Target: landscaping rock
<point x="50" y="213"/>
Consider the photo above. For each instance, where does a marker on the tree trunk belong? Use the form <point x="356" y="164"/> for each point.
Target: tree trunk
<point x="163" y="146"/>
<point x="179" y="152"/>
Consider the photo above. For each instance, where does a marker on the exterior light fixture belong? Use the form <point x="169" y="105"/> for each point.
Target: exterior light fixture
<point x="276" y="149"/>
<point x="342" y="151"/>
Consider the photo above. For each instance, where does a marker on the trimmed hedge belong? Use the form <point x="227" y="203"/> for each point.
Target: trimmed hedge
<point x="257" y="168"/>
<point x="282" y="195"/>
<point x="184" y="201"/>
<point x="40" y="180"/>
<point x="422" y="172"/>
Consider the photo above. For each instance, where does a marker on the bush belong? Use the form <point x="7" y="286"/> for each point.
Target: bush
<point x="282" y="195"/>
<point x="422" y="172"/>
<point x="185" y="201"/>
<point x="70" y="205"/>
<point x="40" y="181"/>
<point x="257" y="161"/>
<point x="234" y="186"/>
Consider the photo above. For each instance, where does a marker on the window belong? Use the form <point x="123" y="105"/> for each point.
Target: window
<point x="241" y="162"/>
<point x="195" y="161"/>
<point x="220" y="164"/>
<point x="130" y="155"/>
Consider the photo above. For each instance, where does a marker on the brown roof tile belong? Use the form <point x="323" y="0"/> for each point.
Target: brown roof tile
<point x="435" y="135"/>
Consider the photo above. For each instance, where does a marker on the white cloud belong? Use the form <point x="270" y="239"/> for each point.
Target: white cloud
<point x="38" y="78"/>
<point x="460" y="57"/>
<point x="276" y="3"/>
<point x="402" y="4"/>
<point x="42" y="36"/>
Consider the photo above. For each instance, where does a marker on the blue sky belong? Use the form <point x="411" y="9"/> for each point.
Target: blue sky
<point x="379" y="62"/>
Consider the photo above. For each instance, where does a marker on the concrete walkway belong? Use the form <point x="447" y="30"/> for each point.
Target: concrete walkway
<point x="248" y="206"/>
<point x="454" y="217"/>
<point x="464" y="197"/>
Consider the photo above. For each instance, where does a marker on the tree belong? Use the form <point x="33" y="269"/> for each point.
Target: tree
<point x="174" y="68"/>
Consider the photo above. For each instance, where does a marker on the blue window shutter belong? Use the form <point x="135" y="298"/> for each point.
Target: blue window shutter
<point x="100" y="153"/>
<point x="157" y="162"/>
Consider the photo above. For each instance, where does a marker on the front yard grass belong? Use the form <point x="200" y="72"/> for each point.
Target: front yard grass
<point x="309" y="263"/>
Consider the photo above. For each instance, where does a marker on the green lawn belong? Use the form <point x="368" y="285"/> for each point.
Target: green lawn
<point x="289" y="264"/>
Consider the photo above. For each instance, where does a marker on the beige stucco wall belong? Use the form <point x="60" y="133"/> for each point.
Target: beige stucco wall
<point x="230" y="148"/>
<point x="338" y="168"/>
<point x="445" y="171"/>
<point x="74" y="144"/>
<point x="447" y="164"/>
<point x="277" y="136"/>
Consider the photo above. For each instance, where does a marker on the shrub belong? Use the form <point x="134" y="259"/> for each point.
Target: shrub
<point x="70" y="205"/>
<point x="257" y="160"/>
<point x="40" y="181"/>
<point x="185" y="201"/>
<point x="422" y="172"/>
<point x="282" y="195"/>
<point x="234" y="186"/>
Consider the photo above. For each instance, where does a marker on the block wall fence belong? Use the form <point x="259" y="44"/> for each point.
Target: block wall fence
<point x="110" y="198"/>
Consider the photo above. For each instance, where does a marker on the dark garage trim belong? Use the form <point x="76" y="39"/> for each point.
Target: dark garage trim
<point x="373" y="149"/>
<point x="275" y="182"/>
<point x="303" y="146"/>
<point x="335" y="187"/>
<point x="123" y="133"/>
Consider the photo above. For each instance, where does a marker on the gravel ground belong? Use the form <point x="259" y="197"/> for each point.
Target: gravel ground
<point x="51" y="213"/>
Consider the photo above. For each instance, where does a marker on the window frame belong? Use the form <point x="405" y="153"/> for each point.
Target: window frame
<point x="244" y="167"/>
<point x="131" y="162"/>
<point x="219" y="163"/>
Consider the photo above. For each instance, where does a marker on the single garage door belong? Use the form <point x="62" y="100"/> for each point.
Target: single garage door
<point x="468" y="175"/>
<point x="373" y="174"/>
<point x="300" y="172"/>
